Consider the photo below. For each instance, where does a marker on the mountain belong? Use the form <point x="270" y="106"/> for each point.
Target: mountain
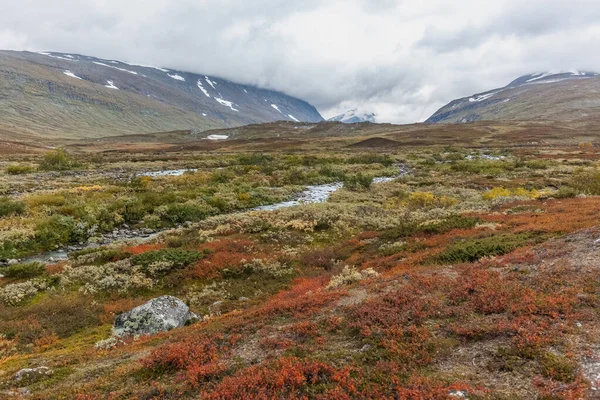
<point x="564" y="96"/>
<point x="75" y="96"/>
<point x="353" y="117"/>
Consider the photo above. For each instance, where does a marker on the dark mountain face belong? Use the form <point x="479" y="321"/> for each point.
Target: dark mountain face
<point x="70" y="95"/>
<point x="549" y="96"/>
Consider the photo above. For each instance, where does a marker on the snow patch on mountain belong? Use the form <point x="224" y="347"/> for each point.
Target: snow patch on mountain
<point x="217" y="137"/>
<point x="353" y="117"/>
<point x="226" y="103"/>
<point x="199" y="83"/>
<point x="293" y="118"/>
<point x="55" y="56"/>
<point x="117" y="68"/>
<point x="211" y="83"/>
<point x="72" y="75"/>
<point x="140" y="65"/>
<point x="482" y="97"/>
<point x="111" y="85"/>
<point x="177" y="77"/>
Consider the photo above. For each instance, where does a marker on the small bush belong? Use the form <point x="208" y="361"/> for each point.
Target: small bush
<point x="587" y="182"/>
<point x="502" y="192"/>
<point x="177" y="258"/>
<point x="371" y="158"/>
<point x="24" y="271"/>
<point x="179" y="213"/>
<point x="58" y="160"/>
<point x="358" y="182"/>
<point x="57" y="230"/>
<point x="471" y="250"/>
<point x="19" y="169"/>
<point x="558" y="367"/>
<point x="9" y="207"/>
<point x="450" y="223"/>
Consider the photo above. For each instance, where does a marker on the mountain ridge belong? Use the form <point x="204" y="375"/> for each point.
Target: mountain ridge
<point x="72" y="95"/>
<point x="541" y="95"/>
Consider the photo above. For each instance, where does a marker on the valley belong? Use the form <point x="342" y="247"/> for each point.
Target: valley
<point x="469" y="273"/>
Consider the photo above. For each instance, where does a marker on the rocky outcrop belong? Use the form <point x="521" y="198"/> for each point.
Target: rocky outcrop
<point x="32" y="374"/>
<point x="158" y="315"/>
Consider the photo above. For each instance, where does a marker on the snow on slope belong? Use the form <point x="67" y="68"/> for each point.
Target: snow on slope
<point x="353" y="117"/>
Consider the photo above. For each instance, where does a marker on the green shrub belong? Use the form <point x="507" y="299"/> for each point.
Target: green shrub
<point x="19" y="169"/>
<point x="58" y="160"/>
<point x="358" y="182"/>
<point x="176" y="258"/>
<point x="587" y="182"/>
<point x="559" y="367"/>
<point x="471" y="250"/>
<point x="24" y="271"/>
<point x="9" y="207"/>
<point x="372" y="158"/>
<point x="57" y="230"/>
<point x="179" y="213"/>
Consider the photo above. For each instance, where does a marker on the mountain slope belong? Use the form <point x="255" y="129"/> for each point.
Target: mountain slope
<point x="75" y="96"/>
<point x="564" y="96"/>
<point x="353" y="117"/>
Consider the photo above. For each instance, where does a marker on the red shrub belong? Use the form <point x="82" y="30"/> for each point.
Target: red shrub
<point x="286" y="378"/>
<point x="197" y="358"/>
<point x="143" y="248"/>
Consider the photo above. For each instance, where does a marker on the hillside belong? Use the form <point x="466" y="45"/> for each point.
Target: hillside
<point x="567" y="96"/>
<point x="56" y="95"/>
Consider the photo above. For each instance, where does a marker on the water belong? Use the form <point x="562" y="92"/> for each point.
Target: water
<point x="321" y="193"/>
<point x="48" y="257"/>
<point x="312" y="194"/>
<point x="169" y="172"/>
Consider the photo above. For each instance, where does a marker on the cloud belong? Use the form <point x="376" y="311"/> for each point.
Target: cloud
<point x="402" y="59"/>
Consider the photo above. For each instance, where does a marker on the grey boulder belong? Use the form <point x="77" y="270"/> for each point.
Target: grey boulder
<point x="158" y="315"/>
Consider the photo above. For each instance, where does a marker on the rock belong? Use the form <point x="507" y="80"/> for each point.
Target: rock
<point x="12" y="261"/>
<point x="158" y="315"/>
<point x="244" y="299"/>
<point x="32" y="374"/>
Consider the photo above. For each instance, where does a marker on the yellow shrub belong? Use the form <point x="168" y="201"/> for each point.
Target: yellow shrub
<point x="421" y="199"/>
<point x="503" y="192"/>
<point x="244" y="196"/>
<point x="45" y="199"/>
<point x="92" y="188"/>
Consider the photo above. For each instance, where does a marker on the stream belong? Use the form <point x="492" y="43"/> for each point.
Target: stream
<point x="311" y="195"/>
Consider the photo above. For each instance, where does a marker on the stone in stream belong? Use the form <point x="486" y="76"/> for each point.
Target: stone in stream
<point x="158" y="315"/>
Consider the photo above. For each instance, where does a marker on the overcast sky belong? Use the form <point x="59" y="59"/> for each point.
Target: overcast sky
<point x="402" y="59"/>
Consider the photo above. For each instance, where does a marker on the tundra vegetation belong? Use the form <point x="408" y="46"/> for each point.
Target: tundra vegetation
<point x="475" y="275"/>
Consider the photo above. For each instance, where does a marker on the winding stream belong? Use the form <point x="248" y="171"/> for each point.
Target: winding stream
<point x="311" y="195"/>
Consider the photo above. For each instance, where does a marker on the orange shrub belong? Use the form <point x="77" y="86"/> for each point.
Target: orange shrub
<point x="143" y="248"/>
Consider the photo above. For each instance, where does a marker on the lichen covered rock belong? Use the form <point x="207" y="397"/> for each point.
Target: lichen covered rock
<point x="158" y="315"/>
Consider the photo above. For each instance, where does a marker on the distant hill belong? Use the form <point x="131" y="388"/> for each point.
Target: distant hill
<point x="353" y="117"/>
<point x="76" y="96"/>
<point x="564" y="96"/>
